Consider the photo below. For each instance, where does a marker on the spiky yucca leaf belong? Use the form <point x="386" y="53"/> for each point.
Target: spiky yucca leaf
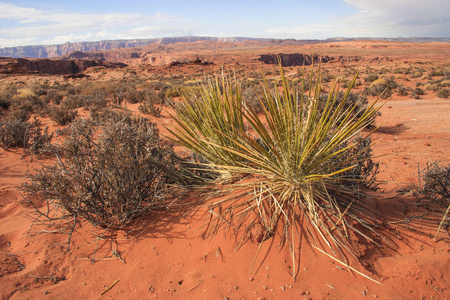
<point x="213" y="118"/>
<point x="296" y="155"/>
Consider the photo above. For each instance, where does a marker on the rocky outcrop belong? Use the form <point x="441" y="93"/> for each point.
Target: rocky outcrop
<point x="50" y="66"/>
<point x="295" y="59"/>
<point x="298" y="59"/>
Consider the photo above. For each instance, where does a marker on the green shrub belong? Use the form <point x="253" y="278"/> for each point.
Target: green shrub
<point x="295" y="164"/>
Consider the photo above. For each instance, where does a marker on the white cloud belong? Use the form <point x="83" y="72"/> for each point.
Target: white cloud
<point x="380" y="18"/>
<point x="47" y="27"/>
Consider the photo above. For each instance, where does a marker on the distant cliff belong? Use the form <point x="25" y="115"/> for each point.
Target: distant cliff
<point x="51" y="66"/>
<point x="67" y="48"/>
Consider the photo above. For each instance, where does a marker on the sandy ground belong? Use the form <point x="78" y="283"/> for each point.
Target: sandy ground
<point x="165" y="257"/>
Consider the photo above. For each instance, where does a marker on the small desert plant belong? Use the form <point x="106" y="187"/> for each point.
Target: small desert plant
<point x="443" y="93"/>
<point x="369" y="78"/>
<point x="16" y="132"/>
<point x="382" y="86"/>
<point x="402" y="91"/>
<point x="13" y="132"/>
<point x="294" y="161"/>
<point x="61" y="115"/>
<point x="152" y="102"/>
<point x="437" y="183"/>
<point x="437" y="187"/>
<point x="109" y="177"/>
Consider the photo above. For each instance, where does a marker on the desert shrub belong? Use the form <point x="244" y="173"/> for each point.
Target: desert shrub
<point x="61" y="115"/>
<point x="74" y="101"/>
<point x="251" y="99"/>
<point x="445" y="83"/>
<point x="101" y="116"/>
<point x="54" y="97"/>
<point x="369" y="78"/>
<point x="416" y="74"/>
<point x="172" y="92"/>
<point x="16" y="132"/>
<point x="134" y="96"/>
<point x="382" y="86"/>
<point x="13" y="131"/>
<point x="38" y="141"/>
<point x="402" y="91"/>
<point x="119" y="95"/>
<point x="437" y="183"/>
<point x="443" y="93"/>
<point x="435" y="72"/>
<point x="358" y="101"/>
<point x="419" y="91"/>
<point x="112" y="177"/>
<point x="152" y="102"/>
<point x="6" y="94"/>
<point x="431" y="87"/>
<point x="437" y="187"/>
<point x="294" y="161"/>
<point x="31" y="104"/>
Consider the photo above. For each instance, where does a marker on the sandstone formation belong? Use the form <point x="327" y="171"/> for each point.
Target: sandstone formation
<point x="40" y="51"/>
<point x="298" y="59"/>
<point x="49" y="66"/>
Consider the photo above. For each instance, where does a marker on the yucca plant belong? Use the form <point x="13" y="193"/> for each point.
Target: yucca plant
<point x="295" y="155"/>
<point x="212" y="121"/>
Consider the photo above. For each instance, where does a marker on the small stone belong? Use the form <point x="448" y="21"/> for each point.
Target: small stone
<point x="265" y="287"/>
<point x="235" y="287"/>
<point x="251" y="279"/>
<point x="257" y="233"/>
<point x="283" y="288"/>
<point x="290" y="286"/>
<point x="363" y="293"/>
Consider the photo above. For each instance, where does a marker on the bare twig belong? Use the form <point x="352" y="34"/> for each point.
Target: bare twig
<point x="108" y="288"/>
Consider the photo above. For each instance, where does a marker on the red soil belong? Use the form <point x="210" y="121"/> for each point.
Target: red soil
<point x="165" y="257"/>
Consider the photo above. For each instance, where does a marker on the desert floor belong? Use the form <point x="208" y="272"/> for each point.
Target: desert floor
<point x="166" y="257"/>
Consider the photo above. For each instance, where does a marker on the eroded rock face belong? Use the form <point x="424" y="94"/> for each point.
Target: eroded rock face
<point x="295" y="59"/>
<point x="50" y="66"/>
<point x="298" y="59"/>
<point x="43" y="51"/>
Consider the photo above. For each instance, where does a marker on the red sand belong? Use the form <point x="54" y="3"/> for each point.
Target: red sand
<point x="168" y="259"/>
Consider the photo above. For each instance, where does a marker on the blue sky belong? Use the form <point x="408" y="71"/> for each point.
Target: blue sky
<point x="31" y="22"/>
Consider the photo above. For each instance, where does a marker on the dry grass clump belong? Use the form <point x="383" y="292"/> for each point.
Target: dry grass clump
<point x="108" y="174"/>
<point x="295" y="158"/>
<point x="382" y="86"/>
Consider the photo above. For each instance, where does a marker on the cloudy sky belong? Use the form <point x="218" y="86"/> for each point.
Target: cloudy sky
<point x="32" y="22"/>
